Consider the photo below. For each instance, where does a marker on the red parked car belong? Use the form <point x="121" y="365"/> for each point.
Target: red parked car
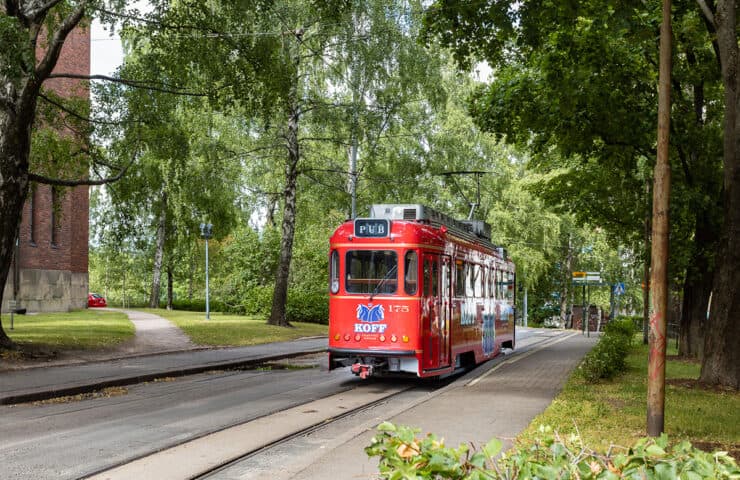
<point x="96" y="300"/>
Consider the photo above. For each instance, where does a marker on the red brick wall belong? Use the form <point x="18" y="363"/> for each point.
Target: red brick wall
<point x="71" y="249"/>
<point x="70" y="252"/>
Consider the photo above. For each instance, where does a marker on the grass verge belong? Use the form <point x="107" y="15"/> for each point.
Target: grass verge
<point x="614" y="412"/>
<point x="77" y="330"/>
<point x="235" y="330"/>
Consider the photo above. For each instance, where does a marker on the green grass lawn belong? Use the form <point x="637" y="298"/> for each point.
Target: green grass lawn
<point x="80" y="329"/>
<point x="614" y="412"/>
<point x="235" y="330"/>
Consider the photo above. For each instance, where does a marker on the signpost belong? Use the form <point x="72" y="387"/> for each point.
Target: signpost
<point x="586" y="279"/>
<point x="206" y="231"/>
<point x="12" y="305"/>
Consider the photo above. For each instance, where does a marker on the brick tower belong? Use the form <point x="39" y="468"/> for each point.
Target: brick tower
<point x="50" y="269"/>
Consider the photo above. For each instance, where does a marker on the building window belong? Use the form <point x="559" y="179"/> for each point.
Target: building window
<point x="32" y="217"/>
<point x="56" y="215"/>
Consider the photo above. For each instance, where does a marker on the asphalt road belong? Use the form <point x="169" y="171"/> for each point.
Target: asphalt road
<point x="76" y="438"/>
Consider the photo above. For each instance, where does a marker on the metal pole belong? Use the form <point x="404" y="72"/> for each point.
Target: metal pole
<point x="583" y="313"/>
<point x="524" y="317"/>
<point x="588" y="316"/>
<point x="659" y="267"/>
<point x="208" y="310"/>
<point x="353" y="177"/>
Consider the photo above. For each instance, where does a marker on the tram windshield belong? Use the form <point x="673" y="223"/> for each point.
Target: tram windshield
<point x="371" y="271"/>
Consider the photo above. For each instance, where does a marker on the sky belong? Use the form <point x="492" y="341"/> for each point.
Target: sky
<point x="106" y="53"/>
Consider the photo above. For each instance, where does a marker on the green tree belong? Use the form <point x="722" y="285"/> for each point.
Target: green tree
<point x="586" y="89"/>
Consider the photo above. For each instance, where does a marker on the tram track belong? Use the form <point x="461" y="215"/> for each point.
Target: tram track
<point x="201" y="456"/>
<point x="213" y="473"/>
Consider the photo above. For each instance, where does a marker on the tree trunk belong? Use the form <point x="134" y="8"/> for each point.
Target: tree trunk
<point x="159" y="254"/>
<point x="169" y="285"/>
<point x="191" y="275"/>
<point x="661" y="230"/>
<point x="697" y="288"/>
<point x="721" y="362"/>
<point x="15" y="145"/>
<point x="280" y="295"/>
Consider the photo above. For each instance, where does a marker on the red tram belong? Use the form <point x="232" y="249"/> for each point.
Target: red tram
<point x="414" y="291"/>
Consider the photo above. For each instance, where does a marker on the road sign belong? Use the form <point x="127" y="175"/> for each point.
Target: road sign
<point x="590" y="278"/>
<point x="619" y="288"/>
<point x="593" y="276"/>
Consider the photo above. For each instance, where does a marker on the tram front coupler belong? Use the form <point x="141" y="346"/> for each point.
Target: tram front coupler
<point x="362" y="370"/>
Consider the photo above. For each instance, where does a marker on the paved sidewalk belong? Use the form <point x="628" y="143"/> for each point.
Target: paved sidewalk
<point x="154" y="334"/>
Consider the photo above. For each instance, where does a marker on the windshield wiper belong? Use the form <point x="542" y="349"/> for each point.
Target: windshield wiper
<point x="387" y="277"/>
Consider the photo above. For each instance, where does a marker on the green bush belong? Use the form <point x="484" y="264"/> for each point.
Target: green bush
<point x="308" y="306"/>
<point x="403" y="455"/>
<point x="636" y="321"/>
<point x="196" y="305"/>
<point x="621" y="326"/>
<point x="607" y="358"/>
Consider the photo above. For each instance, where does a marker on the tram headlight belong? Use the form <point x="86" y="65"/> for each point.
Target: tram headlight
<point x="347" y="337"/>
<point x="382" y="338"/>
<point x="394" y="338"/>
<point x="337" y="337"/>
<point x="358" y="338"/>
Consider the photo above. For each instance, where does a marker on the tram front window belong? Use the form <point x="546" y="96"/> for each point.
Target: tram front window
<point x="371" y="271"/>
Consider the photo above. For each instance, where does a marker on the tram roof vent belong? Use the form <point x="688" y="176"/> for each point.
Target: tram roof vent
<point x="415" y="211"/>
<point x="407" y="211"/>
<point x="479" y="228"/>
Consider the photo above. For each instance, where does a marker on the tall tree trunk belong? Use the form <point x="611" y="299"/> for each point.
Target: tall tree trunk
<point x="697" y="288"/>
<point x="15" y="138"/>
<point x="159" y="254"/>
<point x="721" y="362"/>
<point x="661" y="231"/>
<point x="280" y="294"/>
<point x="169" y="284"/>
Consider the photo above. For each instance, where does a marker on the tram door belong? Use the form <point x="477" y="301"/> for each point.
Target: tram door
<point x="436" y="311"/>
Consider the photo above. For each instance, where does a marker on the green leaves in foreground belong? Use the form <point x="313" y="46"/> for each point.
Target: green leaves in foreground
<point x="405" y="456"/>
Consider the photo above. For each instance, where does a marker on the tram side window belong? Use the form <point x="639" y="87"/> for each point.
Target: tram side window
<point x="334" y="272"/>
<point x="491" y="283"/>
<point x="435" y="279"/>
<point x="470" y="283"/>
<point x="499" y="285"/>
<point x="411" y="269"/>
<point x="459" y="279"/>
<point x="509" y="287"/>
<point x="427" y="276"/>
<point x="371" y="271"/>
<point x="479" y="277"/>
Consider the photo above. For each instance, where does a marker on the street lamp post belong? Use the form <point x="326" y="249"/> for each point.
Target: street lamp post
<point x="206" y="231"/>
